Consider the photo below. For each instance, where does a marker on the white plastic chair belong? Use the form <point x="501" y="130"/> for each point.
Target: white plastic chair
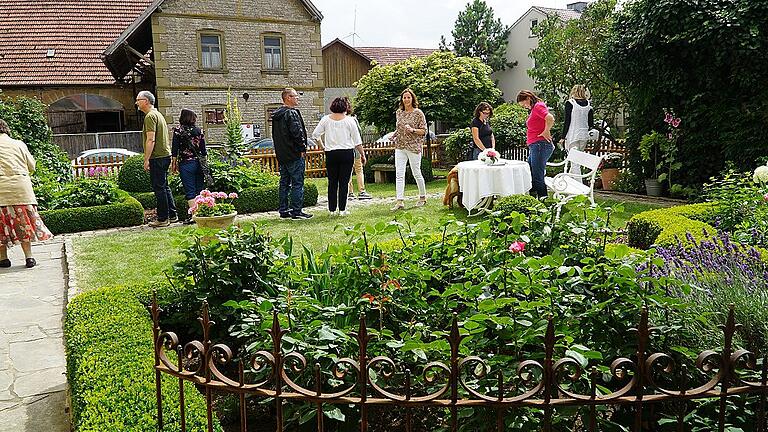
<point x="566" y="185"/>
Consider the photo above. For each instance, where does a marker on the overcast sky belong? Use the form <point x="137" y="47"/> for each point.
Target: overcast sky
<point x="408" y="23"/>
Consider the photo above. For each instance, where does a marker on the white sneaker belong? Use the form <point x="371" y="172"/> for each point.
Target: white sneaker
<point x="344" y="213"/>
<point x="333" y="213"/>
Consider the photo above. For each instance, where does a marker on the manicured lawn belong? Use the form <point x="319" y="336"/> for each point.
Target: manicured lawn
<point x="143" y="256"/>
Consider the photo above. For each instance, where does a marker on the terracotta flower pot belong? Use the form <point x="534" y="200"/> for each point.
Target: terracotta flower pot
<point x="609" y="176"/>
<point x="215" y="222"/>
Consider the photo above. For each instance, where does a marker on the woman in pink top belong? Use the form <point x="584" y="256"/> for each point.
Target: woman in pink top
<point x="539" y="139"/>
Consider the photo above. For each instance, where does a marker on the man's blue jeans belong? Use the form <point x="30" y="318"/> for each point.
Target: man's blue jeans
<point x="158" y="174"/>
<point x="538" y="155"/>
<point x="292" y="179"/>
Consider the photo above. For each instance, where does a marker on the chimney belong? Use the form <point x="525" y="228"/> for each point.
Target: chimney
<point x="577" y="7"/>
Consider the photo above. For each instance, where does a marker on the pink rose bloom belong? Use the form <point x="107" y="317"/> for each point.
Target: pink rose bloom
<point x="668" y="118"/>
<point x="491" y="153"/>
<point x="765" y="197"/>
<point x="676" y="122"/>
<point x="517" y="247"/>
<point x="232" y="195"/>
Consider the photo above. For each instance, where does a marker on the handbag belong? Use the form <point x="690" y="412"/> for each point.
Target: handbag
<point x="203" y="160"/>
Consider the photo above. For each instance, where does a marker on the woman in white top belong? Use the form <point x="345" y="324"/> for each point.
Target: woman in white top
<point x="579" y="119"/>
<point x="340" y="139"/>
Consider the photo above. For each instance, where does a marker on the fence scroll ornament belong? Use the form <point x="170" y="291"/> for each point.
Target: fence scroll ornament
<point x="641" y="382"/>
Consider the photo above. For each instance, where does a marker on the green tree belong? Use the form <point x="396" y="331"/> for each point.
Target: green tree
<point x="705" y="61"/>
<point x="477" y="34"/>
<point x="573" y="52"/>
<point x="447" y="87"/>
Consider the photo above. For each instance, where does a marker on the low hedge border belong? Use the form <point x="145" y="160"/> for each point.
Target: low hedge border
<point x="251" y="200"/>
<point x="110" y="366"/>
<point x="664" y="227"/>
<point x="126" y="212"/>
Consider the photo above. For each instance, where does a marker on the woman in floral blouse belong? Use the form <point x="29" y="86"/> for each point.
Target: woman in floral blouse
<point x="410" y="129"/>
<point x="188" y="144"/>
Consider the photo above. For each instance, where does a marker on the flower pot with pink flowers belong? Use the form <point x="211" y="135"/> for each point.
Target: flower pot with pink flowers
<point x="213" y="209"/>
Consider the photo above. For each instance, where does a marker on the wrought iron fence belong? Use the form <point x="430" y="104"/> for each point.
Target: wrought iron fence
<point x="641" y="382"/>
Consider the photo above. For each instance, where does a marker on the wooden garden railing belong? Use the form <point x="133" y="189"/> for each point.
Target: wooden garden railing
<point x="643" y="381"/>
<point x="315" y="159"/>
<point x="98" y="165"/>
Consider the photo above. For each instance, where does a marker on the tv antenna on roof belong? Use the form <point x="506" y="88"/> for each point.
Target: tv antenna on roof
<point x="354" y="28"/>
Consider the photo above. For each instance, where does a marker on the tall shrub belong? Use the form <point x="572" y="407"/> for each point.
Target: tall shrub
<point x="26" y="118"/>
<point x="706" y="61"/>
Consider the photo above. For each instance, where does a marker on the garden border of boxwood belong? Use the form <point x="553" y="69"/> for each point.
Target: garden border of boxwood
<point x="110" y="364"/>
<point x="127" y="211"/>
<point x="667" y="226"/>
<point x="250" y="200"/>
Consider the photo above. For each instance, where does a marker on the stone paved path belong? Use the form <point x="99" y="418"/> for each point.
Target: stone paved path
<point x="33" y="383"/>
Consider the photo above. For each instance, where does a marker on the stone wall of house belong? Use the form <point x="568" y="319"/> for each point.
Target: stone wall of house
<point x="182" y="83"/>
<point x="255" y="111"/>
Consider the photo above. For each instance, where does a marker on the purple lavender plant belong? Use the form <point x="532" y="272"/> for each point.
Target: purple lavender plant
<point x="721" y="272"/>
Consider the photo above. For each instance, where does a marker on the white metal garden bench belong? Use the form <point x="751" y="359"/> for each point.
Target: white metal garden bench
<point x="566" y="185"/>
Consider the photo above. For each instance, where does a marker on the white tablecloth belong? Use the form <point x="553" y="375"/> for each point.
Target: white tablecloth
<point x="477" y="180"/>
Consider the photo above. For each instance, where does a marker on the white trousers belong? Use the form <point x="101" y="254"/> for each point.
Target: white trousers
<point x="402" y="157"/>
<point x="578" y="145"/>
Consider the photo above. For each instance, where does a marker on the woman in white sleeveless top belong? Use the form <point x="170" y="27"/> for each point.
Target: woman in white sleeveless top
<point x="579" y="119"/>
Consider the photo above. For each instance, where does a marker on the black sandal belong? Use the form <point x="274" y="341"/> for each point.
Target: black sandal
<point x="5" y="263"/>
<point x="31" y="262"/>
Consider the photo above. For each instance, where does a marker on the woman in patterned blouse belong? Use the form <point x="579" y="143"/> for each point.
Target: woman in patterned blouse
<point x="411" y="127"/>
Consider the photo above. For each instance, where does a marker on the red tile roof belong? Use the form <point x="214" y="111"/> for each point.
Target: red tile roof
<point x="389" y="55"/>
<point x="78" y="31"/>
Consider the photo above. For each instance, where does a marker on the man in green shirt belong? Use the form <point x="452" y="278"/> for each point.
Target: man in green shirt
<point x="157" y="158"/>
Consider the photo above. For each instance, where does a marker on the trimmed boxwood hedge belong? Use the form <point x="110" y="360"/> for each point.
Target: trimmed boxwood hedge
<point x="524" y="204"/>
<point x="110" y="366"/>
<point x="132" y="177"/>
<point x="126" y="212"/>
<point x="665" y="226"/>
<point x="251" y="200"/>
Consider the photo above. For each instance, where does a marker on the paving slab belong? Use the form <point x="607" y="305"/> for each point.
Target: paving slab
<point x="33" y="382"/>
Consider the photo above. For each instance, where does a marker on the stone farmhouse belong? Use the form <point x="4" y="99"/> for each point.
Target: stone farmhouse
<point x="522" y="41"/>
<point x="87" y="59"/>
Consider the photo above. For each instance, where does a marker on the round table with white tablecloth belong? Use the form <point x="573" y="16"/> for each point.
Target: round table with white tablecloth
<point x="479" y="182"/>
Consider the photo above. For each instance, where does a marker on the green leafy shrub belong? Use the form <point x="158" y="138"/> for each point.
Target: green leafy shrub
<point x="644" y="58"/>
<point x="110" y="367"/>
<point x="456" y="145"/>
<point x="132" y="177"/>
<point x="629" y="182"/>
<point x="85" y="192"/>
<point x="508" y="123"/>
<point x="666" y="226"/>
<point x="148" y="201"/>
<point x="238" y="177"/>
<point x="127" y="211"/>
<point x="524" y="204"/>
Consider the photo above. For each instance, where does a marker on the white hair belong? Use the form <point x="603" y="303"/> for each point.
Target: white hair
<point x="148" y="95"/>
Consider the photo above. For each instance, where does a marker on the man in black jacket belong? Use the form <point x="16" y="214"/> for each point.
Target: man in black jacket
<point x="290" y="137"/>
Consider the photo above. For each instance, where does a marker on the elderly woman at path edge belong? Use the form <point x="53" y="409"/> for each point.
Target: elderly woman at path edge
<point x="538" y="138"/>
<point x="410" y="129"/>
<point x="19" y="221"/>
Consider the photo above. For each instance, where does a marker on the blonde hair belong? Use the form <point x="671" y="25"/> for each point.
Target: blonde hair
<point x="580" y="91"/>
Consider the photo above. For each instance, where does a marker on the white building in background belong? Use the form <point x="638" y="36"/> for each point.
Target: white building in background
<point x="522" y="41"/>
